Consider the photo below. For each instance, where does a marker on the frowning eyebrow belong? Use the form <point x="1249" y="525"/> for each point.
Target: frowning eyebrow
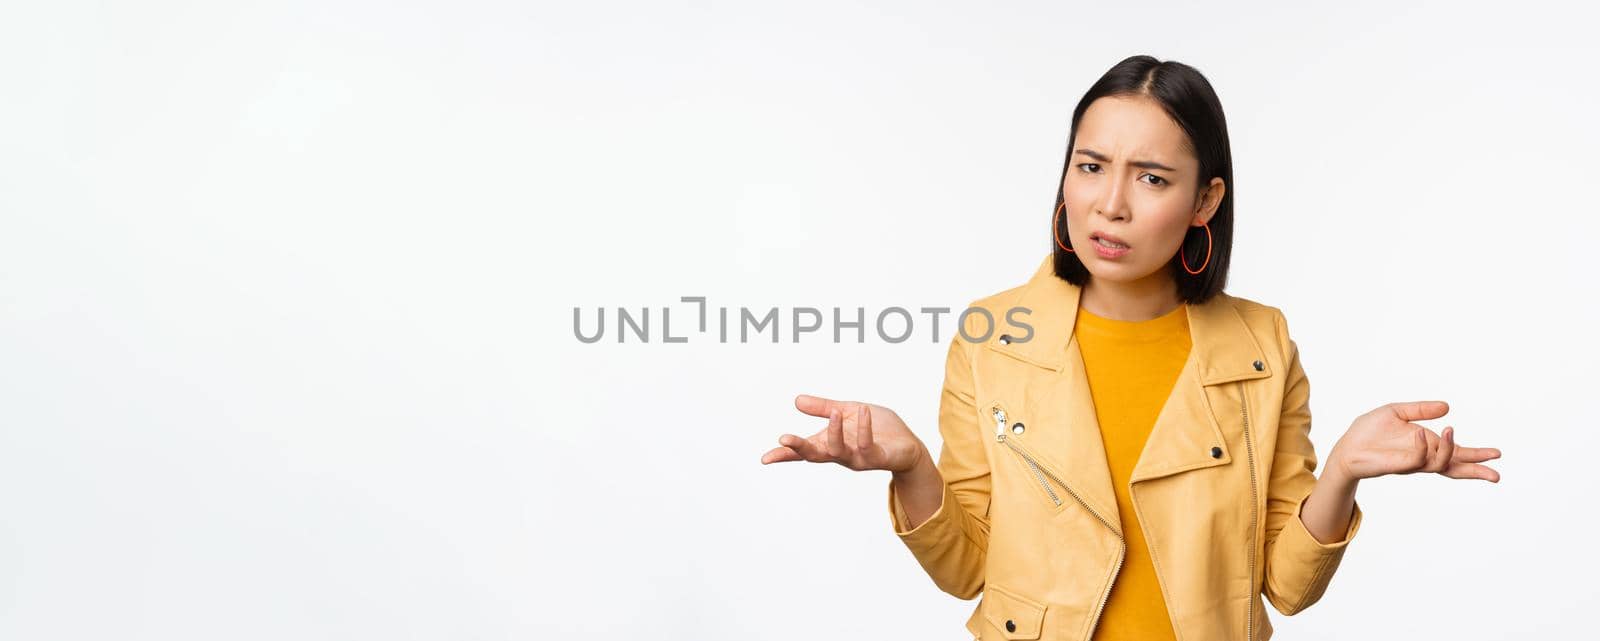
<point x="1145" y="164"/>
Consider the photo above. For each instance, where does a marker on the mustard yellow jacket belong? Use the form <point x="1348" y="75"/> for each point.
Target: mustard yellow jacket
<point x="1029" y="519"/>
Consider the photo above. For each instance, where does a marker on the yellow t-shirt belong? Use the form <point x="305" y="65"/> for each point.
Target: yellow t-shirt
<point x="1132" y="366"/>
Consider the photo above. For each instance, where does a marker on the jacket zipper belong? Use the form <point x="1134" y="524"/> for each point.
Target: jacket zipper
<point x="1040" y="473"/>
<point x="1250" y="453"/>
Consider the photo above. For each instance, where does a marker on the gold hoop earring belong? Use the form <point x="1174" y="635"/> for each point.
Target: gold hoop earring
<point x="1185" y="259"/>
<point x="1055" y="227"/>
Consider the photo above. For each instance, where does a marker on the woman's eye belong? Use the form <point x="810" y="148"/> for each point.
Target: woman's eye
<point x="1089" y="167"/>
<point x="1158" y="180"/>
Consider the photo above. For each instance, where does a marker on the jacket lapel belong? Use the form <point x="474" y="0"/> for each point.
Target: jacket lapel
<point x="1223" y="351"/>
<point x="1185" y="430"/>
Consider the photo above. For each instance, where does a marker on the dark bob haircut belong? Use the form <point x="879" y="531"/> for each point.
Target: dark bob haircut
<point x="1188" y="98"/>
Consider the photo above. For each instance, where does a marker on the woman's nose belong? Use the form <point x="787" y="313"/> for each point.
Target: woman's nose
<point x="1111" y="203"/>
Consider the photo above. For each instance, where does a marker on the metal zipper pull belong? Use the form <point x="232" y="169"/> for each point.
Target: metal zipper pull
<point x="999" y="424"/>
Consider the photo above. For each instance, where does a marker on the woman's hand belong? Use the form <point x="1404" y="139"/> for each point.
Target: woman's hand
<point x="860" y="436"/>
<point x="1385" y="441"/>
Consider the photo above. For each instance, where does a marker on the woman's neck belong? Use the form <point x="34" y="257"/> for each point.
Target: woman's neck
<point x="1150" y="297"/>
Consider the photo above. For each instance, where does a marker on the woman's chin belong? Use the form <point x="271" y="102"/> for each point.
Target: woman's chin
<point x="1114" y="272"/>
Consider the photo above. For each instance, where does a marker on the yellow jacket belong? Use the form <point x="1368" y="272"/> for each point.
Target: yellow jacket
<point x="1029" y="518"/>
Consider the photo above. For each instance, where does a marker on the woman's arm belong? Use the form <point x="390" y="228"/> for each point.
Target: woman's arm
<point x="1382" y="441"/>
<point x="1299" y="564"/>
<point x="940" y="509"/>
<point x="1326" y="513"/>
<point x="919" y="490"/>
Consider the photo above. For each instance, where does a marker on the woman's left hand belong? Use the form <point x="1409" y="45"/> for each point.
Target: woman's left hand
<point x="1385" y="441"/>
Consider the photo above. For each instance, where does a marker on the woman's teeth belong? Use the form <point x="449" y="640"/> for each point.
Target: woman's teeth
<point x="1106" y="243"/>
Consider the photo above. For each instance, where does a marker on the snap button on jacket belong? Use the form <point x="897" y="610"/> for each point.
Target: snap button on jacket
<point x="1029" y="519"/>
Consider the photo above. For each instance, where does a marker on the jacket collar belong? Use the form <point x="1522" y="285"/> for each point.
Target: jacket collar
<point x="1223" y="348"/>
<point x="1190" y="424"/>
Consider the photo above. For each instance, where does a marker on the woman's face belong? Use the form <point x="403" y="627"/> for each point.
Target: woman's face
<point x="1132" y="180"/>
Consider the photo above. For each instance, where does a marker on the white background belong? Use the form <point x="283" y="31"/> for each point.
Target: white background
<point x="286" y="294"/>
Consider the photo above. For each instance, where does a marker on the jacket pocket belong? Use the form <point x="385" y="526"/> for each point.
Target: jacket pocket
<point x="1013" y="615"/>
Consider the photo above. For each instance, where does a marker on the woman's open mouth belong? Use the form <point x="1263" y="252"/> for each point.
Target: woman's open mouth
<point x="1108" y="248"/>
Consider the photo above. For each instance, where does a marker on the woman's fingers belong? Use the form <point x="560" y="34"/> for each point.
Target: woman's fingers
<point x="1476" y="454"/>
<point x="830" y="444"/>
<point x="849" y="438"/>
<point x="1410" y="458"/>
<point x="1460" y="470"/>
<point x="1419" y="451"/>
<point x="835" y="434"/>
<point x="1443" y="451"/>
<point x="1419" y="410"/>
<point x="806" y="448"/>
<point x="815" y="405"/>
<point x="1465" y="462"/>
<point x="863" y="428"/>
<point x="780" y="455"/>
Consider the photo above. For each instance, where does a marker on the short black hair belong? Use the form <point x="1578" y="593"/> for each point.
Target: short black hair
<point x="1188" y="98"/>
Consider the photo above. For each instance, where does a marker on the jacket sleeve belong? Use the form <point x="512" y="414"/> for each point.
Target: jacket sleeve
<point x="952" y="544"/>
<point x="1298" y="566"/>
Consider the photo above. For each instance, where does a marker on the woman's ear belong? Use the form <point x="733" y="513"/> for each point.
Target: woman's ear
<point x="1206" y="205"/>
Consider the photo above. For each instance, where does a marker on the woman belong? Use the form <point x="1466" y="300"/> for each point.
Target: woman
<point x="1137" y="465"/>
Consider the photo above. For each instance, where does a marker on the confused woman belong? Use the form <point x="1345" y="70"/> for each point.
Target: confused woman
<point x="1141" y="466"/>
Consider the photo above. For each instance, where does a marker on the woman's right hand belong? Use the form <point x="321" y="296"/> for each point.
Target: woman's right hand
<point x="860" y="436"/>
